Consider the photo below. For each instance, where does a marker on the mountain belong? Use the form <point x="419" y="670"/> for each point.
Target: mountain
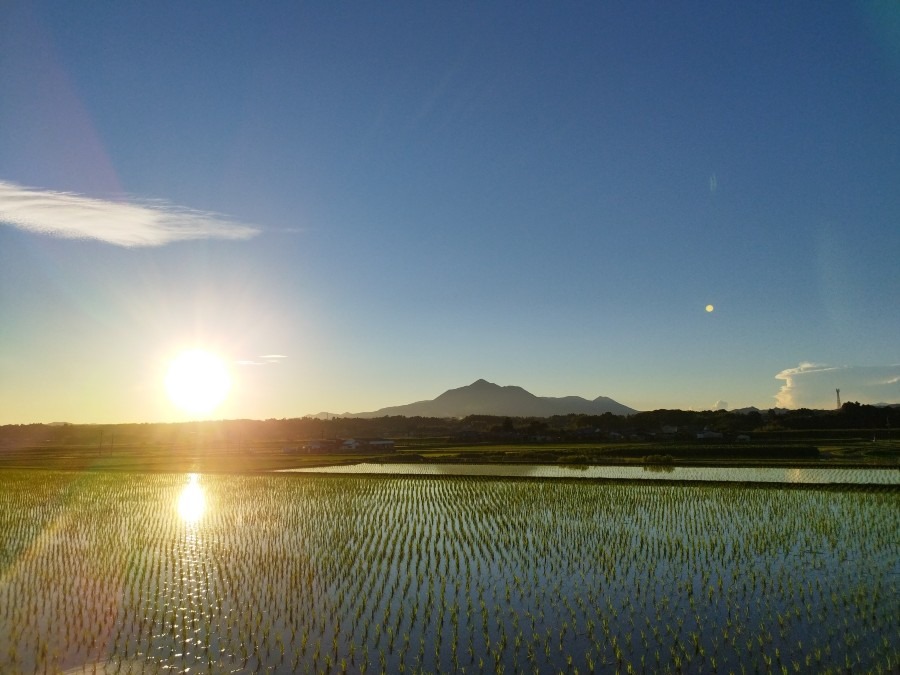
<point x="486" y="398"/>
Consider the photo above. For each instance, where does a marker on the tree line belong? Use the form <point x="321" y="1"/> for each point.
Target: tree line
<point x="238" y="434"/>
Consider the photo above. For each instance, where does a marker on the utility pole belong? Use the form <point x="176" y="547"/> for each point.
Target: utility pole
<point x="838" y="392"/>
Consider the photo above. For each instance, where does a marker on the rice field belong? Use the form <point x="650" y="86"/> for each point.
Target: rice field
<point x="113" y="572"/>
<point x="730" y="474"/>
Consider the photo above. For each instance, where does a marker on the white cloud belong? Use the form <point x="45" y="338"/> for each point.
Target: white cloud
<point x="812" y="385"/>
<point x="136" y="223"/>
<point x="267" y="359"/>
<point x="720" y="405"/>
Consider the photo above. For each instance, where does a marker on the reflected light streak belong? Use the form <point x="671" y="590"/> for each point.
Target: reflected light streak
<point x="192" y="501"/>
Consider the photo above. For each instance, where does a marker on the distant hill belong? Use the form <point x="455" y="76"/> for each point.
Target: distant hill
<point x="486" y="398"/>
<point x="746" y="411"/>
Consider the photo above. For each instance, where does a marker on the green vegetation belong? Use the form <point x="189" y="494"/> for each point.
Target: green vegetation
<point x="262" y="456"/>
<point x="117" y="452"/>
<point x="151" y="459"/>
<point x="325" y="574"/>
<point x="854" y="435"/>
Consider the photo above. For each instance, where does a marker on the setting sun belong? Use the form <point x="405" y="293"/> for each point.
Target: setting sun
<point x="197" y="381"/>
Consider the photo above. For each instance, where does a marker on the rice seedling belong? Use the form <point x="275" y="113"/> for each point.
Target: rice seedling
<point x="287" y="573"/>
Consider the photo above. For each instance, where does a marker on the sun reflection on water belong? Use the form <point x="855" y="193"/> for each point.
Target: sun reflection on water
<point x="192" y="501"/>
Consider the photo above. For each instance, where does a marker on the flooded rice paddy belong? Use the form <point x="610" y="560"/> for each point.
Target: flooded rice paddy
<point x="299" y="573"/>
<point x="705" y="474"/>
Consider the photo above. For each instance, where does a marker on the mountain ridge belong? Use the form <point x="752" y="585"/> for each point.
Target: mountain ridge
<point x="486" y="398"/>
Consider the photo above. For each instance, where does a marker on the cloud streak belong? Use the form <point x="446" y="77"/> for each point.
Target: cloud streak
<point x="128" y="224"/>
<point x="267" y="360"/>
<point x="812" y="385"/>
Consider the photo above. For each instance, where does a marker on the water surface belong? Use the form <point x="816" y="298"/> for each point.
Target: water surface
<point x="163" y="573"/>
<point x="804" y="476"/>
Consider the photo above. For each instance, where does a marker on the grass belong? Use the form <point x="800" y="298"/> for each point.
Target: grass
<point x="125" y="458"/>
<point x="267" y="456"/>
<point x="777" y="453"/>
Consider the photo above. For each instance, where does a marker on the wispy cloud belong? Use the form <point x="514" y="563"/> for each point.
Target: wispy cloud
<point x="132" y="223"/>
<point x="267" y="359"/>
<point x="812" y="385"/>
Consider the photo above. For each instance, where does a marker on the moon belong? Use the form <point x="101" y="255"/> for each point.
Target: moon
<point x="709" y="308"/>
<point x="197" y="381"/>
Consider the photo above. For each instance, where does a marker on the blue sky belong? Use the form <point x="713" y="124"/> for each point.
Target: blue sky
<point x="392" y="199"/>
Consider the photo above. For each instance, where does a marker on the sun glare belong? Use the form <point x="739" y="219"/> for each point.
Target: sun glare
<point x="191" y="501"/>
<point x="197" y="382"/>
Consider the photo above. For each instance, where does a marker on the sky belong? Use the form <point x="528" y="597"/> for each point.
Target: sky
<point x="357" y="205"/>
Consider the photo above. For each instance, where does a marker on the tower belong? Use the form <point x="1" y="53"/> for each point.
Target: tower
<point x="838" y="392"/>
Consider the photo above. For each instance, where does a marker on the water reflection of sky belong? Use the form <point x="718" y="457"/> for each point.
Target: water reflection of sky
<point x="679" y="473"/>
<point x="192" y="501"/>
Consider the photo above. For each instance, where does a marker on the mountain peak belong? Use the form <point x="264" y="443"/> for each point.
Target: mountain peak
<point x="486" y="398"/>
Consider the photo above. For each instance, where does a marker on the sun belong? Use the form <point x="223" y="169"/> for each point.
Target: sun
<point x="197" y="381"/>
